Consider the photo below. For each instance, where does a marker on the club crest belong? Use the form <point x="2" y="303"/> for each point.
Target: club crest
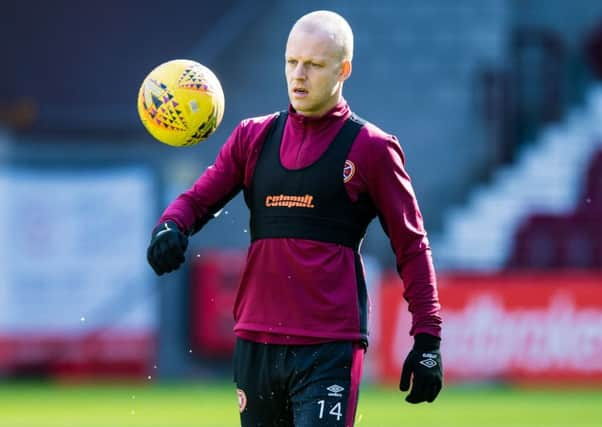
<point x="348" y="171"/>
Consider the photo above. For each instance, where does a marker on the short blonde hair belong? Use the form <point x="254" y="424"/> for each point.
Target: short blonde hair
<point x="337" y="28"/>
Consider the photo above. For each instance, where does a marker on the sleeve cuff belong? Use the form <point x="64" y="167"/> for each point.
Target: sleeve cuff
<point x="426" y="342"/>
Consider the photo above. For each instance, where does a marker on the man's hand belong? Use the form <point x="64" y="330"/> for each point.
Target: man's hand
<point x="167" y="247"/>
<point x="424" y="365"/>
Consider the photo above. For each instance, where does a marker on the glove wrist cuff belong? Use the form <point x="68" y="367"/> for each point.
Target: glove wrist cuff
<point x="165" y="225"/>
<point x="426" y="342"/>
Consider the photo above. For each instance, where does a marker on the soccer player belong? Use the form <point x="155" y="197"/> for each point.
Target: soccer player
<point x="313" y="178"/>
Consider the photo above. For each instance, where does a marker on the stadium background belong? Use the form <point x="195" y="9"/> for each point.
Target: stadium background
<point x="498" y="106"/>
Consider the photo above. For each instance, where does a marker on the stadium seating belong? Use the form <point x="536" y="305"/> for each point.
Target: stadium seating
<point x="571" y="240"/>
<point x="591" y="200"/>
<point x="557" y="176"/>
<point x="555" y="241"/>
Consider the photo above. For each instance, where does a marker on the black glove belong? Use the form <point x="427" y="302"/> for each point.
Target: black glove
<point x="424" y="364"/>
<point x="166" y="250"/>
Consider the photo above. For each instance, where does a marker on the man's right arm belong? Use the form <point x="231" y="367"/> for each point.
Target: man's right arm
<point x="218" y="184"/>
<point x="191" y="210"/>
<point x="195" y="207"/>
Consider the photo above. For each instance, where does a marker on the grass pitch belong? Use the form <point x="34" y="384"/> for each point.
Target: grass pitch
<point x="215" y="405"/>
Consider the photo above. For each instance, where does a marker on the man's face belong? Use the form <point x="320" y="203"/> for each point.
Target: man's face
<point x="313" y="72"/>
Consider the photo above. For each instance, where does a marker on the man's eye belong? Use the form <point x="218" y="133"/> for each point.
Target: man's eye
<point x="315" y="64"/>
<point x="291" y="61"/>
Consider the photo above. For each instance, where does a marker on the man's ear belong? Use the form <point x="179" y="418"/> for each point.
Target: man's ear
<point x="345" y="70"/>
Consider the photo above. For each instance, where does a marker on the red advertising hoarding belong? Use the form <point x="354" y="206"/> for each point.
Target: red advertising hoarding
<point x="528" y="327"/>
<point x="213" y="285"/>
<point x="97" y="354"/>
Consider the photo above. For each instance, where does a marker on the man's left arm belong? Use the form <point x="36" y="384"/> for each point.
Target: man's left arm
<point x="391" y="190"/>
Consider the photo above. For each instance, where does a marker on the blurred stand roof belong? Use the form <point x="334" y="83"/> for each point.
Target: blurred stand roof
<point x="76" y="66"/>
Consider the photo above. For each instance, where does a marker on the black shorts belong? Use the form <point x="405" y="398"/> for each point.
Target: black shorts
<point x="297" y="385"/>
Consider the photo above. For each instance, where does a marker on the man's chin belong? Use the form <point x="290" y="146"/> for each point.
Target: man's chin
<point x="298" y="104"/>
<point x="301" y="107"/>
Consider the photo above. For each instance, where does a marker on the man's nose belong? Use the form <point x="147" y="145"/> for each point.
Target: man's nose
<point x="299" y="72"/>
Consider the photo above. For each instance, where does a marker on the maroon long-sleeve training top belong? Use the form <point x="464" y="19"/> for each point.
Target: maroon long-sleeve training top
<point x="299" y="291"/>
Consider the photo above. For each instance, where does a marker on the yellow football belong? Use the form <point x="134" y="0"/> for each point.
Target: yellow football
<point x="181" y="102"/>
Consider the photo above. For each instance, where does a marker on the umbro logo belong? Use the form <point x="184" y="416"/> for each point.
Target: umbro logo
<point x="430" y="361"/>
<point x="335" y="390"/>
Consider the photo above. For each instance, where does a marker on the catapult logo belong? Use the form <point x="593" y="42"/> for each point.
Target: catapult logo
<point x="286" y="201"/>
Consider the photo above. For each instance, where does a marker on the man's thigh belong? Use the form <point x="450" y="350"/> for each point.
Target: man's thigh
<point x="325" y="391"/>
<point x="262" y="400"/>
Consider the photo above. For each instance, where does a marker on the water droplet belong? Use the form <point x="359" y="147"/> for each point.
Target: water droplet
<point x="190" y="350"/>
<point x="245" y="230"/>
<point x="588" y="200"/>
<point x="212" y="299"/>
<point x="290" y="277"/>
<point x="279" y="323"/>
<point x="149" y="377"/>
<point x="155" y="367"/>
<point x="133" y="396"/>
<point x="133" y="412"/>
<point x="82" y="319"/>
<point x="198" y="255"/>
<point x="225" y="212"/>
